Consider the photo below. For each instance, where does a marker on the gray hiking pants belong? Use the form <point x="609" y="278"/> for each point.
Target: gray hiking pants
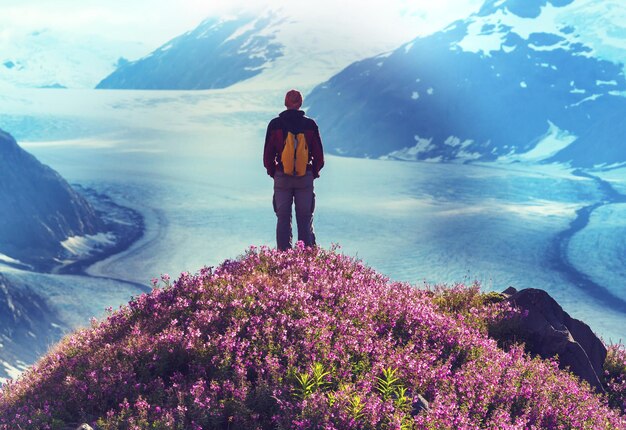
<point x="288" y="189"/>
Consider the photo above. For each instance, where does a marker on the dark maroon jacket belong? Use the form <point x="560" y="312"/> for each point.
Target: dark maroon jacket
<point x="294" y="121"/>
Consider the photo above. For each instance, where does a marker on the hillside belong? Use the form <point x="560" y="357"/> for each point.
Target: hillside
<point x="303" y="339"/>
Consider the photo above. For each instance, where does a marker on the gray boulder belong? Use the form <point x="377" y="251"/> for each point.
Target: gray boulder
<point x="420" y="404"/>
<point x="547" y="330"/>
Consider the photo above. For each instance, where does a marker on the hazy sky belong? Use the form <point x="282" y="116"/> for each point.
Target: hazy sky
<point x="154" y="22"/>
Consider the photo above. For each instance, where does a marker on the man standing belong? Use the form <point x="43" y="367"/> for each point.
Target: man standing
<point x="293" y="156"/>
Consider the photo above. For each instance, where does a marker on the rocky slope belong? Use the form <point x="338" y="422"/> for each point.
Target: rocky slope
<point x="40" y="210"/>
<point x="307" y="339"/>
<point x="533" y="80"/>
<point x="28" y="326"/>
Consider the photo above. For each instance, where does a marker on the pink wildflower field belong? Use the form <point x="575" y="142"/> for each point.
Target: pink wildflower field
<point x="304" y="339"/>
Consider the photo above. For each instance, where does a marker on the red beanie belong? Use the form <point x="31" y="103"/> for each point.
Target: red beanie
<point x="293" y="99"/>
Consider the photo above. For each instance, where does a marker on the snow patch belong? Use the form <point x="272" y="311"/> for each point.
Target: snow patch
<point x="551" y="20"/>
<point x="166" y="47"/>
<point x="254" y="69"/>
<point x="588" y="99"/>
<point x="437" y="159"/>
<point x="552" y="142"/>
<point x="83" y="246"/>
<point x="465" y="155"/>
<point x="384" y="54"/>
<point x="549" y="144"/>
<point x="560" y="45"/>
<point x="609" y="166"/>
<point x="241" y="31"/>
<point x="454" y="142"/>
<point x="481" y="42"/>
<point x="412" y="153"/>
<point x="7" y="259"/>
<point x="508" y="49"/>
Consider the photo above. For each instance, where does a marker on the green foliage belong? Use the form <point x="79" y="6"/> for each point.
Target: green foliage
<point x="388" y="384"/>
<point x="309" y="383"/>
<point x="360" y="364"/>
<point x="402" y="401"/>
<point x="391" y="387"/>
<point x="319" y="376"/>
<point x="356" y="407"/>
<point x="306" y="387"/>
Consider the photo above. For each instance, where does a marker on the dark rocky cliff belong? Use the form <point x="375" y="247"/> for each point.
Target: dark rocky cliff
<point x="39" y="209"/>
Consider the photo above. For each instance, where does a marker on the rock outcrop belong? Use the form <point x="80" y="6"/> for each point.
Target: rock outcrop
<point x="547" y="330"/>
<point x="39" y="209"/>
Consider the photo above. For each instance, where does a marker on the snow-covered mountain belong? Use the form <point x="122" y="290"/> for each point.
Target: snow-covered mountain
<point x="528" y="80"/>
<point x="216" y="54"/>
<point x="53" y="59"/>
<point x="291" y="45"/>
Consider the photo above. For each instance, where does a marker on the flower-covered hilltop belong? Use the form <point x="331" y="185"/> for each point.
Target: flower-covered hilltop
<point x="302" y="339"/>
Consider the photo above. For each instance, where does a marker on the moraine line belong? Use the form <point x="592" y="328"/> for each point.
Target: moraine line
<point x="557" y="254"/>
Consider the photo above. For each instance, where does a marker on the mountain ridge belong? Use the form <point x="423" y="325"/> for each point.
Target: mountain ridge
<point x="216" y="54"/>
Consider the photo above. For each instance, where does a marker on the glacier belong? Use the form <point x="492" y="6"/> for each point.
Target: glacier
<point x="190" y="163"/>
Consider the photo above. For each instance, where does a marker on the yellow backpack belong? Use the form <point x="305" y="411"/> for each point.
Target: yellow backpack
<point x="295" y="155"/>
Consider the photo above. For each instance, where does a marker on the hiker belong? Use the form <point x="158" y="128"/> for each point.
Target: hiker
<point x="293" y="156"/>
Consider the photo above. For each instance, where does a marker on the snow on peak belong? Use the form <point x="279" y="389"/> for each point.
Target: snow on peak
<point x="598" y="25"/>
